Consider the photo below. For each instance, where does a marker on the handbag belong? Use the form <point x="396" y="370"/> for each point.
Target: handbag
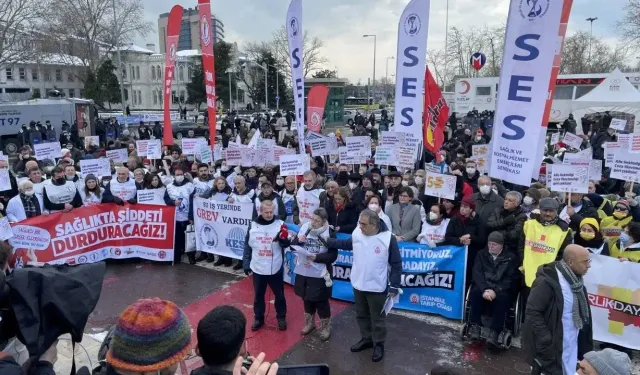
<point x="190" y="239"/>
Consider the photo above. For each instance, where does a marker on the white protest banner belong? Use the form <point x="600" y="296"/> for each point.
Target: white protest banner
<point x="618" y="124"/>
<point x="234" y="155"/>
<point x="118" y="156"/>
<point x="152" y="196"/>
<point x="634" y="144"/>
<point x="525" y="82"/>
<point x="479" y="150"/>
<point x="221" y="227"/>
<point x="411" y="56"/>
<point x="405" y="157"/>
<point x="96" y="167"/>
<point x="392" y="138"/>
<point x="190" y="146"/>
<point x="294" y="39"/>
<point x="568" y="178"/>
<point x="323" y="146"/>
<point x="205" y="154"/>
<point x="91" y="140"/>
<point x="5" y="229"/>
<point x="359" y="145"/>
<point x="294" y="165"/>
<point x="5" y="180"/>
<point x="440" y="185"/>
<point x="386" y="155"/>
<point x="44" y="151"/>
<point x="572" y="140"/>
<point x="154" y="149"/>
<point x="141" y="148"/>
<point x="614" y="301"/>
<point x="625" y="166"/>
<point x="555" y="138"/>
<point x="347" y="157"/>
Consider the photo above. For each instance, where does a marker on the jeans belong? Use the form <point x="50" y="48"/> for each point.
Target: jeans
<point x="500" y="307"/>
<point x="276" y="283"/>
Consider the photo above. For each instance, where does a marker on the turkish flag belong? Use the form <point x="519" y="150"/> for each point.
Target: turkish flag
<point x="436" y="114"/>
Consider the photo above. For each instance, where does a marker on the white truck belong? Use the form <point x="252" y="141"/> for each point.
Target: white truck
<point x="55" y="110"/>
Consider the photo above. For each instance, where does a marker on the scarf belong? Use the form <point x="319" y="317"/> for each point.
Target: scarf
<point x="29" y="204"/>
<point x="580" y="305"/>
<point x="320" y="230"/>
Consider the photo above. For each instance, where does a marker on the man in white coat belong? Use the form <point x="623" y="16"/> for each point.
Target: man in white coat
<point x="309" y="198"/>
<point x="375" y="275"/>
<point x="26" y="204"/>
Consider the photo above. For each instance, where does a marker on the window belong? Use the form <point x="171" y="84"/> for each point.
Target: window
<point x="47" y="75"/>
<point x="139" y="97"/>
<point x="72" y="93"/>
<point x="583" y="90"/>
<point x="159" y="72"/>
<point x="9" y="73"/>
<point x="483" y="90"/>
<point x="153" y="72"/>
<point x="137" y="72"/>
<point x="126" y="95"/>
<point x="34" y="74"/>
<point x="174" y="98"/>
<point x="563" y="92"/>
<point x="70" y="77"/>
<point x="124" y="73"/>
<point x="59" y="75"/>
<point x="82" y="93"/>
<point x="36" y="93"/>
<point x="155" y="93"/>
<point x="22" y="73"/>
<point x="181" y="73"/>
<point x="133" y="72"/>
<point x="182" y="96"/>
<point x="160" y="97"/>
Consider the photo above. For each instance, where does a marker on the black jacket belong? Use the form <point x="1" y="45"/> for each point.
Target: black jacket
<point x="598" y="141"/>
<point x="473" y="227"/>
<point x="587" y="210"/>
<point x="76" y="202"/>
<point x="472" y="180"/>
<point x="542" y="334"/>
<point x="510" y="224"/>
<point x="206" y="370"/>
<point x="347" y="219"/>
<point x="8" y="366"/>
<point x="500" y="274"/>
<point x="108" y="197"/>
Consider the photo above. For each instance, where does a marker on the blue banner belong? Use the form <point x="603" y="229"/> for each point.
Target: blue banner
<point x="433" y="280"/>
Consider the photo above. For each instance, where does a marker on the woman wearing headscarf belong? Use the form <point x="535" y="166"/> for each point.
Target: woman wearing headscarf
<point x="590" y="237"/>
<point x="91" y="193"/>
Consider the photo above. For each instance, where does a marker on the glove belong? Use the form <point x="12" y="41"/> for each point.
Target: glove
<point x="284" y="232"/>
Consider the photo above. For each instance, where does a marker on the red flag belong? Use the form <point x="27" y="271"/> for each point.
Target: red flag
<point x="173" y="31"/>
<point x="316" y="99"/>
<point x="436" y="113"/>
<point x="208" y="65"/>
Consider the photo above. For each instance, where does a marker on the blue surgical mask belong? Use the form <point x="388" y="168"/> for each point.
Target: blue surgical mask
<point x="624" y="239"/>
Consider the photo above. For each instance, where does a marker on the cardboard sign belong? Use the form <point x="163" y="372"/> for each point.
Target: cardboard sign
<point x="141" y="148"/>
<point x="610" y="148"/>
<point x="118" y="156"/>
<point x="595" y="170"/>
<point x="483" y="163"/>
<point x="5" y="180"/>
<point x="190" y="146"/>
<point x="586" y="154"/>
<point x="634" y="144"/>
<point x="217" y="153"/>
<point x="386" y="155"/>
<point x="323" y="146"/>
<point x="392" y="138"/>
<point x="206" y="156"/>
<point x="154" y="149"/>
<point x="92" y="140"/>
<point x="96" y="167"/>
<point x="568" y="178"/>
<point x="347" y="157"/>
<point x="234" y="156"/>
<point x="625" y="166"/>
<point x="480" y="150"/>
<point x="618" y="124"/>
<point x="294" y="165"/>
<point x="151" y="196"/>
<point x="572" y="140"/>
<point x="440" y="185"/>
<point x="359" y="146"/>
<point x="49" y="151"/>
<point x="555" y="138"/>
<point x="406" y="157"/>
<point x="5" y="229"/>
<point x="624" y="140"/>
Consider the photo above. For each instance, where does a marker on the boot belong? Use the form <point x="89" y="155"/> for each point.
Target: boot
<point x="475" y="332"/>
<point x="378" y="352"/>
<point x="201" y="257"/>
<point x="219" y="262"/>
<point x="210" y="258"/>
<point x="257" y="324"/>
<point x="238" y="266"/>
<point x="282" y="324"/>
<point x="192" y="258"/>
<point x="325" y="329"/>
<point x="309" y="324"/>
<point x="362" y="345"/>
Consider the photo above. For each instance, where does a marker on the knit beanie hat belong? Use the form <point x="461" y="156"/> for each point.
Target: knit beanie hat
<point x="534" y="193"/>
<point x="624" y="203"/>
<point x="150" y="335"/>
<point x="496" y="237"/>
<point x="591" y="221"/>
<point x="609" y="362"/>
<point x="544" y="193"/>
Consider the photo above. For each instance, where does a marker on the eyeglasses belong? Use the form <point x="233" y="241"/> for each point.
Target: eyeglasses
<point x="621" y="208"/>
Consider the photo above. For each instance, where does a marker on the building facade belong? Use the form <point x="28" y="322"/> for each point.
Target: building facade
<point x="189" y="30"/>
<point x="334" y="108"/>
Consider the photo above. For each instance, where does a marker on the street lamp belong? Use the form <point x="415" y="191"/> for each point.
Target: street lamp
<point x="266" y="72"/>
<point x="386" y="76"/>
<point x="230" y="97"/>
<point x="374" y="62"/>
<point x="446" y="46"/>
<point x="591" y="19"/>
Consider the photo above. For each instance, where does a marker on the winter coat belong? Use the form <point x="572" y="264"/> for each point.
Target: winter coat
<point x="276" y="199"/>
<point x="542" y="334"/>
<point x="8" y="366"/>
<point x="587" y="210"/>
<point x="485" y="206"/>
<point x="458" y="228"/>
<point x="346" y="219"/>
<point x="597" y="143"/>
<point x="510" y="224"/>
<point x="471" y="180"/>
<point x="499" y="275"/>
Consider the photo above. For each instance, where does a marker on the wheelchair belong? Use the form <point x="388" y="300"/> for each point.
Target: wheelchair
<point x="512" y="325"/>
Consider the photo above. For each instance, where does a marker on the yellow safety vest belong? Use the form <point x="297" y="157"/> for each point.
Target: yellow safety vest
<point x="541" y="246"/>
<point x="610" y="227"/>
<point x="601" y="213"/>
<point x="632" y="254"/>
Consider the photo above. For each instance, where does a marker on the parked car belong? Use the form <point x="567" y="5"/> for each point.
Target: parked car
<point x="181" y="128"/>
<point x="349" y="115"/>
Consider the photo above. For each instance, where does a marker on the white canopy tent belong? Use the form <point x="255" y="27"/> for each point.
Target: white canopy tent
<point x="614" y="94"/>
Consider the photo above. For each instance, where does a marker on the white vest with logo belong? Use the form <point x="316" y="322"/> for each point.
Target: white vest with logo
<point x="266" y="255"/>
<point x="92" y="199"/>
<point x="288" y="200"/>
<point x="123" y="190"/>
<point x="370" y="269"/>
<point x="313" y="245"/>
<point x="435" y="232"/>
<point x="61" y="194"/>
<point x="181" y="192"/>
<point x="244" y="198"/>
<point x="308" y="201"/>
<point x="258" y="203"/>
<point x="202" y="187"/>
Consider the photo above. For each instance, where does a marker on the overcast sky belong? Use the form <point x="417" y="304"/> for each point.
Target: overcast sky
<point x="341" y="24"/>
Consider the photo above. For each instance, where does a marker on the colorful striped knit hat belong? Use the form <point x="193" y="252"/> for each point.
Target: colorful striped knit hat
<point x="150" y="335"/>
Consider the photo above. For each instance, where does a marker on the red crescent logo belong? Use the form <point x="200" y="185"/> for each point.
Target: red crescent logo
<point x="467" y="87"/>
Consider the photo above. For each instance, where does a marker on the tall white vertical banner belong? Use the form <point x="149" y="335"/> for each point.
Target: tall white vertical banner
<point x="295" y="35"/>
<point x="411" y="61"/>
<point x="530" y="45"/>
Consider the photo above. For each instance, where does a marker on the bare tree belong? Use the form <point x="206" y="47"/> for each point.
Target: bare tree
<point x="630" y="24"/>
<point x="494" y="38"/>
<point x="19" y="21"/>
<point x="575" y="58"/>
<point x="312" y="51"/>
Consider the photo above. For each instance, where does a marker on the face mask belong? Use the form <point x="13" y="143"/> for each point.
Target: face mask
<point x="405" y="183"/>
<point x="373" y="207"/>
<point x="179" y="179"/>
<point x="69" y="178"/>
<point x="279" y="182"/>
<point x="433" y="216"/>
<point x="620" y="215"/>
<point x="28" y="193"/>
<point x="624" y="239"/>
<point x="587" y="236"/>
<point x="343" y="174"/>
<point x="484" y="189"/>
<point x="352" y="185"/>
<point x="471" y="171"/>
<point x="478" y="139"/>
<point x="528" y="201"/>
<point x="60" y="181"/>
<point x="419" y="180"/>
<point x="224" y="168"/>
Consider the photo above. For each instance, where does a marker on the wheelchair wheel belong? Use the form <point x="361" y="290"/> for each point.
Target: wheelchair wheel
<point x="467" y="307"/>
<point x="464" y="332"/>
<point x="518" y="313"/>
<point x="507" y="340"/>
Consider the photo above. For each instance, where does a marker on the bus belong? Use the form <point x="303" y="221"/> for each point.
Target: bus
<point x="352" y="101"/>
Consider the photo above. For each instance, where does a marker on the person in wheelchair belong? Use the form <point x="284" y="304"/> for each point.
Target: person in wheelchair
<point x="493" y="279"/>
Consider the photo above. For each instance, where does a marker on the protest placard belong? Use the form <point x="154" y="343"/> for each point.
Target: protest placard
<point x="586" y="154"/>
<point x="46" y="151"/>
<point x="96" y="167"/>
<point x="480" y="150"/>
<point x="141" y="148"/>
<point x="634" y="144"/>
<point x="483" y="163"/>
<point x="568" y="178"/>
<point x="190" y="146"/>
<point x="278" y="151"/>
<point x="555" y="138"/>
<point x="154" y="149"/>
<point x="624" y="140"/>
<point x="5" y="229"/>
<point x="347" y="157"/>
<point x="406" y="158"/>
<point x="610" y="148"/>
<point x="386" y="155"/>
<point x="323" y="146"/>
<point x="205" y="154"/>
<point x="392" y="138"/>
<point x="625" y="166"/>
<point x="572" y="140"/>
<point x="5" y="180"/>
<point x="152" y="196"/>
<point x="118" y="156"/>
<point x="91" y="140"/>
<point x="595" y="170"/>
<point x="359" y="146"/>
<point x="265" y="148"/>
<point x="618" y="124"/>
<point x="440" y="185"/>
<point x="217" y="153"/>
<point x="234" y="155"/>
<point x="294" y="165"/>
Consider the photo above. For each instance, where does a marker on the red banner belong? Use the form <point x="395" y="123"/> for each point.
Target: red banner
<point x="208" y="65"/>
<point x="316" y="100"/>
<point x="436" y="113"/>
<point x="173" y="32"/>
<point x="94" y="233"/>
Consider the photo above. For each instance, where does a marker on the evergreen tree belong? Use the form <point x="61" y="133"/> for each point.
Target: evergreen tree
<point x="196" y="92"/>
